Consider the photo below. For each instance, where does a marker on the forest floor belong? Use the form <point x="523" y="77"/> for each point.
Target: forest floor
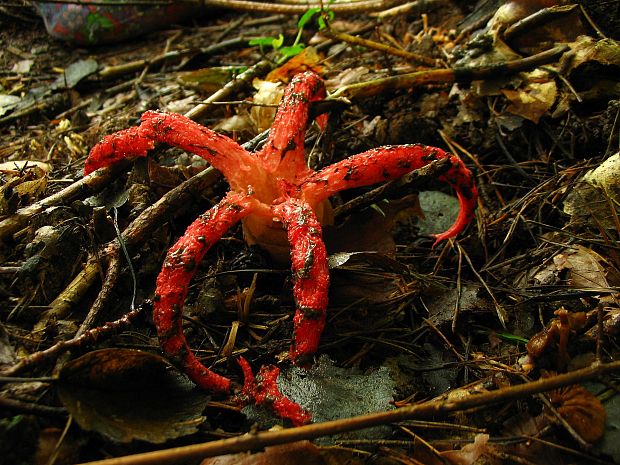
<point x="495" y="346"/>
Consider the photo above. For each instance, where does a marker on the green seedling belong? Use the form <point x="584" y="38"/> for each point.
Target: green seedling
<point x="289" y="51"/>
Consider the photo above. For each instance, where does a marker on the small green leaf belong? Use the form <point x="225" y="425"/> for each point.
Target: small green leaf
<point x="292" y="50"/>
<point x="324" y="23"/>
<point x="307" y="16"/>
<point x="277" y="43"/>
<point x="262" y="41"/>
<point x="96" y="19"/>
<point x="512" y="337"/>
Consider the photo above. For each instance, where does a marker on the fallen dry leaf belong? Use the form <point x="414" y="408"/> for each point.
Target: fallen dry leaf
<point x="531" y="101"/>
<point x="128" y="394"/>
<point x="585" y="265"/>
<point x="268" y="94"/>
<point x="307" y="60"/>
<point x="594" y="199"/>
<point x="582" y="410"/>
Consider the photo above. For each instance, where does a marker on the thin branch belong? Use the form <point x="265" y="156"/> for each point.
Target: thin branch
<point x="88" y="337"/>
<point x="447" y="76"/>
<point x="361" y="6"/>
<point x="541" y="16"/>
<point x="432" y="170"/>
<point x="31" y="408"/>
<point x="132" y="66"/>
<point x="351" y="39"/>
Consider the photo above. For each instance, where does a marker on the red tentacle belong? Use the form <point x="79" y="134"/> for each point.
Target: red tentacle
<point x="311" y="275"/>
<point x="115" y="147"/>
<point x="263" y="390"/>
<point x="284" y="149"/>
<point x="174" y="279"/>
<point x="235" y="163"/>
<point x="391" y="162"/>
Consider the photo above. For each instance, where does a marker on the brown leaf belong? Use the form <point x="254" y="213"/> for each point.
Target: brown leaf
<point x="307" y="60"/>
<point x="371" y="229"/>
<point x="298" y="453"/>
<point x="582" y="410"/>
<point x="371" y="277"/>
<point x="54" y="447"/>
<point x="23" y="181"/>
<point x="268" y="94"/>
<point x="594" y="199"/>
<point x="130" y="394"/>
<point x="532" y="101"/>
<point x="585" y="267"/>
<point x="587" y="50"/>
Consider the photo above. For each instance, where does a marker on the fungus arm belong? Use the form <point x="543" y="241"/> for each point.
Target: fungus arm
<point x="223" y="153"/>
<point x="173" y="282"/>
<point x="391" y="162"/>
<point x="263" y="390"/>
<point x="283" y="152"/>
<point x="310" y="275"/>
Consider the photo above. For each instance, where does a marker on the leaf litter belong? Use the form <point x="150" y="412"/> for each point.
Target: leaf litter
<point x="542" y="141"/>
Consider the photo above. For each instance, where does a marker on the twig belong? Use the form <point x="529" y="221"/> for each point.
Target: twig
<point x="61" y="306"/>
<point x="459" y="290"/>
<point x="444" y="339"/>
<point x="541" y="16"/>
<point x="405" y="8"/>
<point x="351" y="39"/>
<point x="447" y="76"/>
<point x="256" y="7"/>
<point x="111" y="255"/>
<point x="132" y="272"/>
<point x="361" y="6"/>
<point x="600" y="330"/>
<point x="114" y="71"/>
<point x="501" y="312"/>
<point x="88" y="337"/>
<point x="561" y="420"/>
<point x="430" y="409"/>
<point x="31" y="408"/>
<point x="592" y="24"/>
<point x="508" y="155"/>
<point x="57" y="448"/>
<point x="235" y="84"/>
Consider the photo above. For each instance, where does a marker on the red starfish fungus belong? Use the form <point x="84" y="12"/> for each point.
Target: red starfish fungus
<point x="270" y="188"/>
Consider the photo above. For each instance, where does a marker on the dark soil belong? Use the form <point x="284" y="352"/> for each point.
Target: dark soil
<point x="451" y="320"/>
